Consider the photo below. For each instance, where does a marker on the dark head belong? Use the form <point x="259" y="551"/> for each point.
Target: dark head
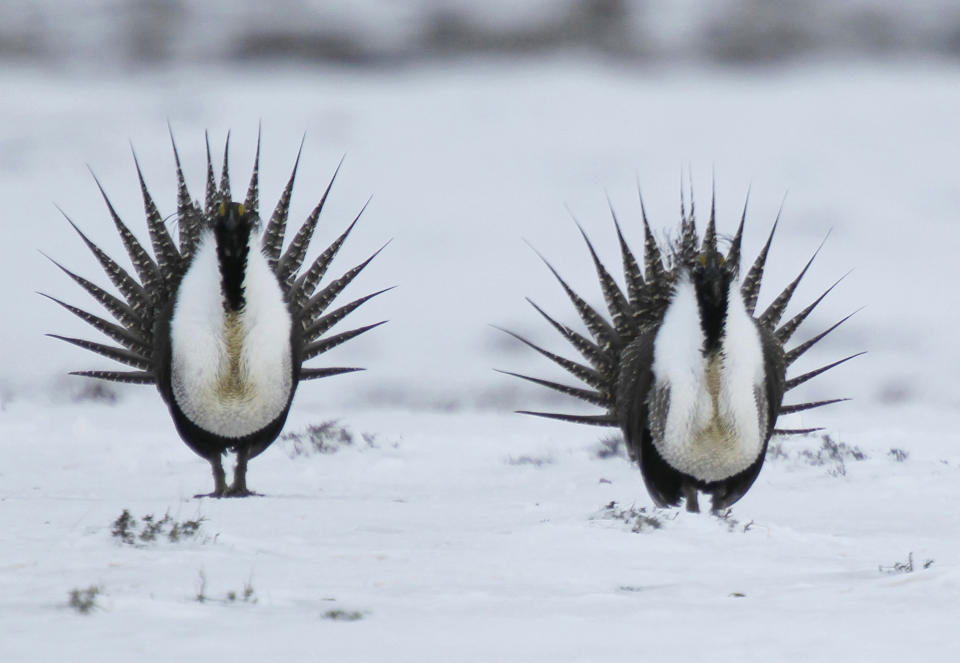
<point x="231" y="228"/>
<point x="711" y="278"/>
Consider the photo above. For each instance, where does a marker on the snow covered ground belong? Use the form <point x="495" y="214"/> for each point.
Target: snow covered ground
<point x="464" y="532"/>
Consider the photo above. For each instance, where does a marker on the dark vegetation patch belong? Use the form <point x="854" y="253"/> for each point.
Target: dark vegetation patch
<point x="639" y="520"/>
<point x="95" y="391"/>
<point x="343" y="615"/>
<point x="84" y="601"/>
<point x="245" y="595"/>
<point x="831" y="454"/>
<point x="898" y="455"/>
<point x="906" y="566"/>
<point x="150" y="529"/>
<point x="611" y="446"/>
<point x="536" y="461"/>
<point x="326" y="437"/>
<point x="727" y="518"/>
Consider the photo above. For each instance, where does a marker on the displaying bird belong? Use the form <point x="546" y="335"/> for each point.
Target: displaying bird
<point x="222" y="321"/>
<point x="687" y="369"/>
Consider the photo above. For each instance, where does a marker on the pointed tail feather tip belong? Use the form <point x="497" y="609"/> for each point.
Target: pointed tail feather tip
<point x="590" y="420"/>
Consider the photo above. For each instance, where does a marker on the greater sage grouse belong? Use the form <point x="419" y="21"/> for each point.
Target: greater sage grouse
<point x="223" y="320"/>
<point x="684" y="366"/>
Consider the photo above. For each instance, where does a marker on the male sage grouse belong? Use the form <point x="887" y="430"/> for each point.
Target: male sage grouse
<point x="222" y="321"/>
<point x="684" y="366"/>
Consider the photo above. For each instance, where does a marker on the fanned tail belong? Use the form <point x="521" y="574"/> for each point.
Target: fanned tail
<point x="641" y="308"/>
<point x="158" y="274"/>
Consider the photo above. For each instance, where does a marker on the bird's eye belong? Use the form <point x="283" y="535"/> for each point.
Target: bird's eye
<point x="702" y="259"/>
<point x="241" y="210"/>
<point x="222" y="210"/>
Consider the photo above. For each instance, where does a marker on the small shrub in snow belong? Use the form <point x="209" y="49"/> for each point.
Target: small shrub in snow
<point x="343" y="615"/>
<point x="775" y="450"/>
<point x="899" y="455"/>
<point x="324" y="438"/>
<point x="832" y="453"/>
<point x="149" y="529"/>
<point x="95" y="391"/>
<point x="726" y="517"/>
<point x="245" y="595"/>
<point x="639" y="520"/>
<point x="201" y="596"/>
<point x="610" y="446"/>
<point x="84" y="600"/>
<point x="905" y="567"/>
<point x="536" y="461"/>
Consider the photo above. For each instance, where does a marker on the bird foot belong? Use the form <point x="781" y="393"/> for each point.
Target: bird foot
<point x="216" y="493"/>
<point x="230" y="492"/>
<point x="241" y="491"/>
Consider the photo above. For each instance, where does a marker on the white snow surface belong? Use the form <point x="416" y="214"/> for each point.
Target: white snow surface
<point x="200" y="357"/>
<point x="690" y="442"/>
<point x="466" y="532"/>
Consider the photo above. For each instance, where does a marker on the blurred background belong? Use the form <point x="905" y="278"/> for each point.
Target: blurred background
<point x="163" y="33"/>
<point x="477" y="126"/>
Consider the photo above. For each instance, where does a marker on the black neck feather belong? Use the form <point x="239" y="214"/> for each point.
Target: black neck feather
<point x="232" y="232"/>
<point x="712" y="288"/>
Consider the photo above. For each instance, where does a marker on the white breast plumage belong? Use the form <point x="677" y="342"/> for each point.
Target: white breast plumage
<point x="711" y="422"/>
<point x="231" y="373"/>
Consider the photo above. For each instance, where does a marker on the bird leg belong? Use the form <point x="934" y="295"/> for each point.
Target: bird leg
<point x="219" y="478"/>
<point x="690" y="496"/>
<point x="239" y="486"/>
<point x="719" y="501"/>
